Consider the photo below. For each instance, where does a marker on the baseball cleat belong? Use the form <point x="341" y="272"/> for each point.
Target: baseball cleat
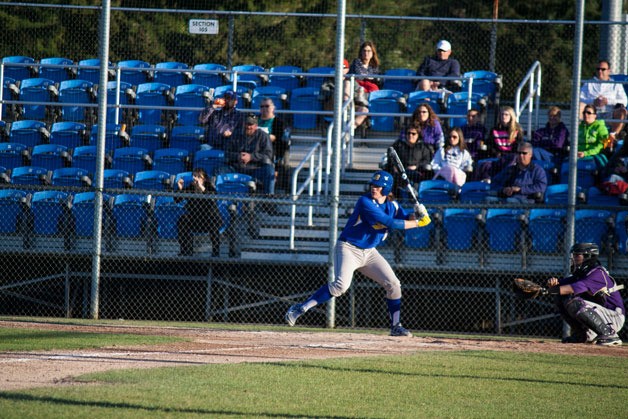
<point x="293" y="313"/>
<point x="609" y="341"/>
<point x="399" y="330"/>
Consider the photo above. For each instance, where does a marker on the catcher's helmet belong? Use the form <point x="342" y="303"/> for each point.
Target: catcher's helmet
<point x="590" y="251"/>
<point x="384" y="180"/>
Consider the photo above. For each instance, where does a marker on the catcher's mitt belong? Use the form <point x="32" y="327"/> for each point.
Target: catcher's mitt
<point x="527" y="289"/>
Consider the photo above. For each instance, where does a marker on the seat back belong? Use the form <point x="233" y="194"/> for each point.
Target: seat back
<point x="115" y="178"/>
<point x="188" y="137"/>
<point x="130" y="214"/>
<point x="69" y="176"/>
<point x="68" y="134"/>
<point x="27" y="132"/>
<point x="547" y="229"/>
<point x="277" y="94"/>
<point x="121" y="99"/>
<point x="384" y="101"/>
<point x="485" y="83"/>
<point x="305" y="99"/>
<point x="437" y="191"/>
<point x="436" y="100"/>
<point x="190" y="96"/>
<point x="56" y="74"/>
<point x="592" y="226"/>
<point x="421" y="238"/>
<point x="152" y="94"/>
<point x="167" y="214"/>
<point x="286" y="82"/>
<point x="214" y="79"/>
<point x="29" y="175"/>
<point x="114" y="138"/>
<point x="156" y="180"/>
<point x="209" y="160"/>
<point x="461" y="227"/>
<point x="130" y="159"/>
<point x="170" y="160"/>
<point x="151" y="137"/>
<point x="403" y="85"/>
<point x="89" y="74"/>
<point x="17" y="72"/>
<point x="77" y="91"/>
<point x="586" y="175"/>
<point x="35" y="90"/>
<point x="595" y="196"/>
<point x="7" y="94"/>
<point x="135" y="72"/>
<point x="171" y="78"/>
<point x="50" y="156"/>
<point x="459" y="103"/>
<point x="248" y="77"/>
<point x="474" y="192"/>
<point x="48" y="208"/>
<point x="11" y="207"/>
<point x="316" y="81"/>
<point x="12" y="155"/>
<point x="236" y="184"/>
<point x="83" y="211"/>
<point x="504" y="227"/>
<point x="85" y="158"/>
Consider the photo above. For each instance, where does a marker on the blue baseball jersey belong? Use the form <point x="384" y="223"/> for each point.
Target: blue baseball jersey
<point x="370" y="221"/>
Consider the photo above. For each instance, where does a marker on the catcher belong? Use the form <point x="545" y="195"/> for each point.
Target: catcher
<point x="588" y="299"/>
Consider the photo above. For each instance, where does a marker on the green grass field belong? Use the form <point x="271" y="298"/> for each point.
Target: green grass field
<point x="457" y="384"/>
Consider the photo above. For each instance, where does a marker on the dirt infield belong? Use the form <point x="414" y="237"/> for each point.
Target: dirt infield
<point x="22" y="370"/>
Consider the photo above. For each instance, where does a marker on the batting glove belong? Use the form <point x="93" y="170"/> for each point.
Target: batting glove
<point x="420" y="211"/>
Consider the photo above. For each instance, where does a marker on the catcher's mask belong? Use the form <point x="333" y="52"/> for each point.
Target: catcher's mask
<point x="590" y="251"/>
<point x="384" y="180"/>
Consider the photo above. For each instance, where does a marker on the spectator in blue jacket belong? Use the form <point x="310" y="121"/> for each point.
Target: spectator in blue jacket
<point x="523" y="182"/>
<point x="439" y="65"/>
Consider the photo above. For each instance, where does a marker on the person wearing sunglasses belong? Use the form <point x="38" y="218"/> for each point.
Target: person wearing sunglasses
<point x="609" y="100"/>
<point x="453" y="161"/>
<point x="439" y="65"/>
<point x="592" y="134"/>
<point x="523" y="182"/>
<point x="415" y="156"/>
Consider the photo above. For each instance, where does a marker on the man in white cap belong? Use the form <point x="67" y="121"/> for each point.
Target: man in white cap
<point x="439" y="65"/>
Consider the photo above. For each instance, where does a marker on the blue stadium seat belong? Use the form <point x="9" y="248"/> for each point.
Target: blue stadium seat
<point x="436" y="100"/>
<point x="135" y="72"/>
<point x="12" y="203"/>
<point x="83" y="212"/>
<point x="305" y="99"/>
<point x="37" y="90"/>
<point x="71" y="176"/>
<point x="485" y="83"/>
<point x="403" y="85"/>
<point x="18" y="72"/>
<point x="68" y="134"/>
<point x="91" y="74"/>
<point x="131" y="159"/>
<point x="547" y="229"/>
<point x="115" y="137"/>
<point x="12" y="155"/>
<point x="595" y="196"/>
<point x="151" y="137"/>
<point x="504" y="227"/>
<point x="458" y="104"/>
<point x="279" y="96"/>
<point x="551" y="172"/>
<point x="10" y="91"/>
<point x="236" y="184"/>
<point x="243" y="93"/>
<point x="171" y="78"/>
<point x="124" y="94"/>
<point x="29" y="175"/>
<point x="316" y="81"/>
<point x="116" y="179"/>
<point x="130" y="213"/>
<point x="157" y="96"/>
<point x="167" y="213"/>
<point x="84" y="157"/>
<point x="461" y="227"/>
<point x="437" y="191"/>
<point x="50" y="156"/>
<point x="156" y="180"/>
<point x="171" y="160"/>
<point x="214" y="79"/>
<point x="421" y="238"/>
<point x="474" y="192"/>
<point x="188" y="138"/>
<point x="385" y="101"/>
<point x="286" y="82"/>
<point x="621" y="231"/>
<point x="50" y="210"/>
<point x="559" y="193"/>
<point x="593" y="226"/>
<point x="29" y="132"/>
<point x="256" y="78"/>
<point x="77" y="91"/>
<point x="190" y="96"/>
<point x="56" y="74"/>
<point x="209" y="160"/>
<point x="586" y="174"/>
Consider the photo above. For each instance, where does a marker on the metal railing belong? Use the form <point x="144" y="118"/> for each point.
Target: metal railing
<point x="532" y="100"/>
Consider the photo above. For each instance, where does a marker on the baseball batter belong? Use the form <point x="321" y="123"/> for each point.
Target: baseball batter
<point x="589" y="299"/>
<point x="373" y="215"/>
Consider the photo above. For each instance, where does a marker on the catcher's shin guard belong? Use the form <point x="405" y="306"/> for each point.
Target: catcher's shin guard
<point x="579" y="309"/>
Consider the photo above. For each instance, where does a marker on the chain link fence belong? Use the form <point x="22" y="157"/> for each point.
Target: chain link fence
<point x="274" y="250"/>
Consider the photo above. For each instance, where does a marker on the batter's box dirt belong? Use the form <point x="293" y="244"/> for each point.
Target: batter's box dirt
<point x="22" y="370"/>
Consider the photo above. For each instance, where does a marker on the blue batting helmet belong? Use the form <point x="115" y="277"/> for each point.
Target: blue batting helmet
<point x="384" y="180"/>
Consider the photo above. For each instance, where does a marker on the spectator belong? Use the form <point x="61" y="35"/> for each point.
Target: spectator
<point x="609" y="99"/>
<point x="414" y="154"/>
<point x="505" y="135"/>
<point x="440" y="65"/>
<point x="431" y="130"/>
<point x="223" y="123"/>
<point x="367" y="64"/>
<point x="554" y="137"/>
<point x="275" y="128"/>
<point x="616" y="182"/>
<point x="592" y="133"/>
<point x="453" y="161"/>
<point x="360" y="97"/>
<point x="251" y="153"/>
<point x="201" y="214"/>
<point x="474" y="133"/>
<point x="523" y="182"/>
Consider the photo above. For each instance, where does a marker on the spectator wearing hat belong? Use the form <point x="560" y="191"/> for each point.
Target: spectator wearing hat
<point x="251" y="152"/>
<point x="439" y="65"/>
<point x="223" y="123"/>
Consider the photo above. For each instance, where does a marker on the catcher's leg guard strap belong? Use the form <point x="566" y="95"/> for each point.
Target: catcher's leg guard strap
<point x="579" y="309"/>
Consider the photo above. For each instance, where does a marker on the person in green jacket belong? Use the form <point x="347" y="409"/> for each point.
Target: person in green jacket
<point x="592" y="135"/>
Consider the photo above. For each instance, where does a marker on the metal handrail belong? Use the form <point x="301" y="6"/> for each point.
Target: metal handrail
<point x="533" y="99"/>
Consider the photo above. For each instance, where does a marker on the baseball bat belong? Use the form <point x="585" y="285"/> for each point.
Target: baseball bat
<point x="396" y="161"/>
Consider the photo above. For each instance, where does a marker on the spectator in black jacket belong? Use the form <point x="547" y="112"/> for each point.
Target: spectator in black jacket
<point x="415" y="156"/>
<point x="439" y="65"/>
<point x="224" y="123"/>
